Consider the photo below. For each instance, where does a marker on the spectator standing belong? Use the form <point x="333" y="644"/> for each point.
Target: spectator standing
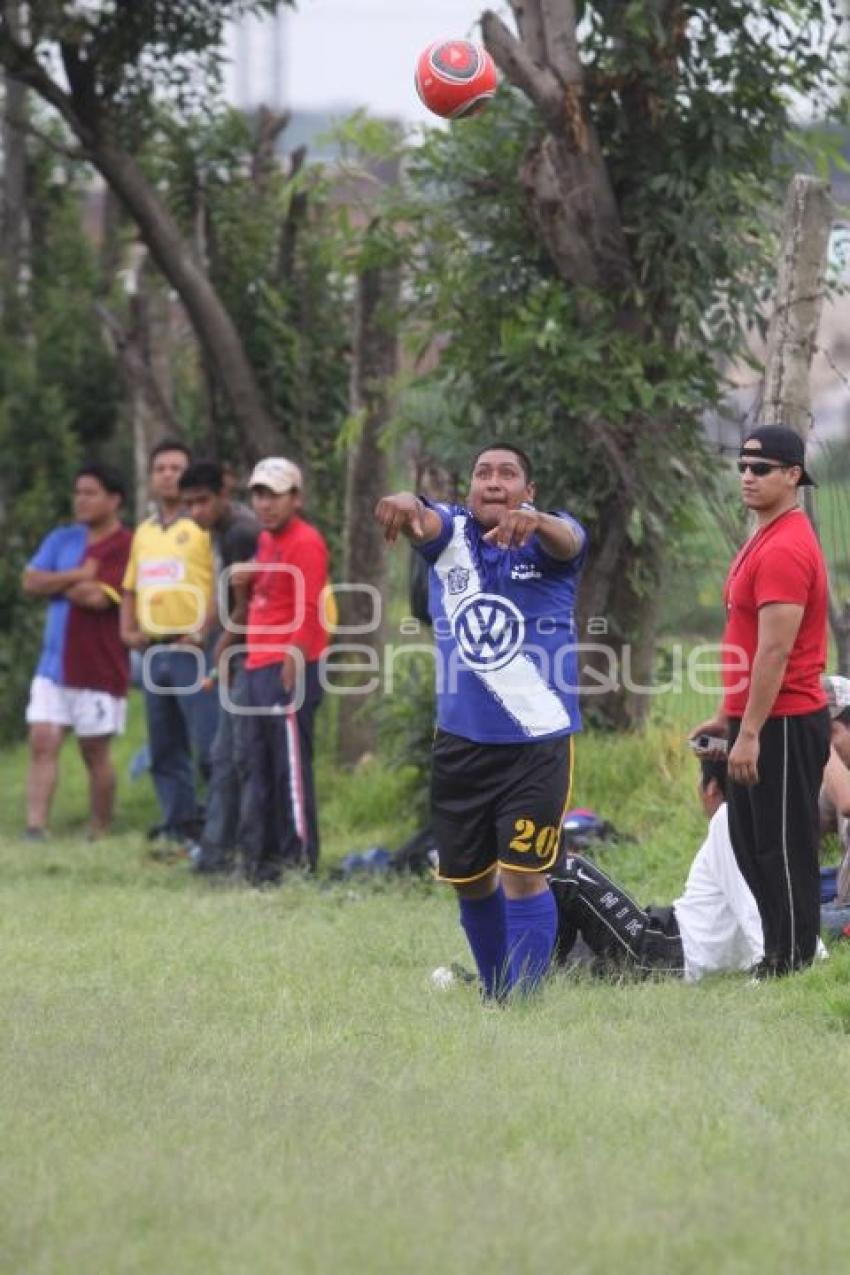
<point x="286" y="638"/>
<point x="774" y="707"/>
<point x="82" y="677"/>
<point x="167" y="611"/>
<point x="234" y="531"/>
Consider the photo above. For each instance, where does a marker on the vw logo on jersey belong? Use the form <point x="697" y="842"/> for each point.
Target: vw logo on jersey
<point x="489" y="631"/>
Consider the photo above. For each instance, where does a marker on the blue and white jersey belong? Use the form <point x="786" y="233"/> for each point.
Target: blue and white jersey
<point x="504" y="624"/>
<point x="62" y="550"/>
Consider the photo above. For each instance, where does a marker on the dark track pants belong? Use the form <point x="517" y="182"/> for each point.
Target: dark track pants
<point x="775" y="834"/>
<point x="274" y="746"/>
<point x="613" y="926"/>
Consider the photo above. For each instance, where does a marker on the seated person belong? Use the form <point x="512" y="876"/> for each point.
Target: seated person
<point x="835" y="792"/>
<point x="714" y="926"/>
<point x="835" y="802"/>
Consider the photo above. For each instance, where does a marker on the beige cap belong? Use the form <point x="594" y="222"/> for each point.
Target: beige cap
<point x="278" y="474"/>
<point x="837" y="694"/>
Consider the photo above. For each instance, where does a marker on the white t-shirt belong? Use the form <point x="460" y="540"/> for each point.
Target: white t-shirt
<point x="717" y="915"/>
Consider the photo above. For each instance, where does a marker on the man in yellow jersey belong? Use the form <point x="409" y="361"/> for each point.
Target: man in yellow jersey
<point x="167" y="612"/>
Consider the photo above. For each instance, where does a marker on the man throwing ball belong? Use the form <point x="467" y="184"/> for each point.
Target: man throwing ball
<point x="503" y="579"/>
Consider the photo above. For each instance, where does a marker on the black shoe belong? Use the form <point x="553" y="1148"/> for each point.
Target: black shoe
<point x="34" y="834"/>
<point x="766" y="970"/>
<point x="462" y="974"/>
<point x="207" y="866"/>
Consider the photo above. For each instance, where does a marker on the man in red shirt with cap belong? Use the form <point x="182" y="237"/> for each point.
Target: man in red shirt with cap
<point x="774" y="712"/>
<point x="286" y="637"/>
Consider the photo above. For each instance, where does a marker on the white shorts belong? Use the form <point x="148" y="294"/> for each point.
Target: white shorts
<point x="87" y="713"/>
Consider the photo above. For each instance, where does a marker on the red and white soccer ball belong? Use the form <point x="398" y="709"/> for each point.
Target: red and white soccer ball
<point x="455" y="78"/>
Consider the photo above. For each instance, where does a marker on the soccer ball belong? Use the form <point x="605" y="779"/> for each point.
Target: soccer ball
<point x="455" y="78"/>
<point x="442" y="977"/>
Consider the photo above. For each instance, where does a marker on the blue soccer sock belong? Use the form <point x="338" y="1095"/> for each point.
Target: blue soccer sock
<point x="484" y="923"/>
<point x="532" y="926"/>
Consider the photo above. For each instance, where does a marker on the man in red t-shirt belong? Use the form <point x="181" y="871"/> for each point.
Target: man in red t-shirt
<point x="85" y="689"/>
<point x="286" y="637"/>
<point x="774" y="711"/>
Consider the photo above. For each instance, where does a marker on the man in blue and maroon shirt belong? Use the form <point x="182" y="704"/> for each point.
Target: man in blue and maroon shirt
<point x="774" y="712"/>
<point x="82" y="677"/>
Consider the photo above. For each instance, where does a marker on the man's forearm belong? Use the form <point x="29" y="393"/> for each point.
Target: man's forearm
<point x="558" y="537"/>
<point x="89" y="595"/>
<point x="47" y="584"/>
<point x="405" y="514"/>
<point x="765" y="683"/>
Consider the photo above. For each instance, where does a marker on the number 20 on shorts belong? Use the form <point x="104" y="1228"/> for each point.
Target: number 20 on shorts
<point x="543" y="841"/>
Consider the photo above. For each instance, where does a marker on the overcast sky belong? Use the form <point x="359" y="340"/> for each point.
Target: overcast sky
<point x="349" y="52"/>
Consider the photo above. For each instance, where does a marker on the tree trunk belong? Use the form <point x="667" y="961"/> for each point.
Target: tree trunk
<point x="214" y="326"/>
<point x="565" y="176"/>
<point x="574" y="209"/>
<point x="87" y="117"/>
<point x="143" y="358"/>
<point x="13" y="218"/>
<point x="793" y="330"/>
<point x="792" y="336"/>
<point x="375" y="365"/>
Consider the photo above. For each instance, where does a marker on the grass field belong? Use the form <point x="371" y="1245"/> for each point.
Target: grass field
<point x="204" y="1079"/>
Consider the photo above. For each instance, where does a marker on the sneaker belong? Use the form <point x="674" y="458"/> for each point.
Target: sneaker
<point x="447" y="975"/>
<point x="462" y="974"/>
<point x="764" y="971"/>
<point x="165" y="848"/>
<point x="34" y="834"/>
<point x="204" y="866"/>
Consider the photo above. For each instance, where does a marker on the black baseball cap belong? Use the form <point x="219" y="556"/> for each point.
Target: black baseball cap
<point x="778" y="442"/>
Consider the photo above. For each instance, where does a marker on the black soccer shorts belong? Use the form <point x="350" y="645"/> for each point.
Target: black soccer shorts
<point x="498" y="803"/>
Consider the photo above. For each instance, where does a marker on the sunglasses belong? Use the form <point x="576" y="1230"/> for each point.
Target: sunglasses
<point x="759" y="468"/>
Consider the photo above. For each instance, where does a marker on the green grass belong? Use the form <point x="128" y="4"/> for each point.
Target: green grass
<point x="206" y="1079"/>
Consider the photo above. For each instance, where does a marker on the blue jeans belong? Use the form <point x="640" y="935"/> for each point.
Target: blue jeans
<point x="221" y="827"/>
<point x="834" y="920"/>
<point x="180" y="724"/>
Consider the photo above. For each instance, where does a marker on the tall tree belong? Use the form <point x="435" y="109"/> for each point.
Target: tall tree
<point x="13" y="212"/>
<point x="268" y="235"/>
<point x="593" y="247"/>
<point x="375" y="361"/>
<point x="119" y="59"/>
<point x="59" y="397"/>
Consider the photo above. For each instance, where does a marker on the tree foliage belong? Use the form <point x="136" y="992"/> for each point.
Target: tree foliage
<point x="693" y="125"/>
<point x="272" y="253"/>
<point x="132" y="54"/>
<point x="118" y="62"/>
<point x="606" y="384"/>
<point x="59" y="399"/>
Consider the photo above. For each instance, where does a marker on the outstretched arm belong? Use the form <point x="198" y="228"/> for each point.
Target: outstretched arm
<point x="561" y="539"/>
<point x="405" y="514"/>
